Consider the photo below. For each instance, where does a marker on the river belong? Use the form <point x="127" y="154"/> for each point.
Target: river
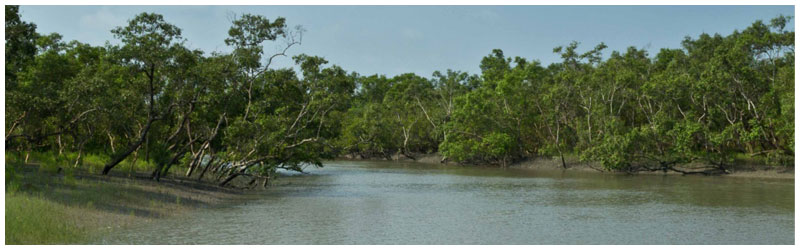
<point x="376" y="202"/>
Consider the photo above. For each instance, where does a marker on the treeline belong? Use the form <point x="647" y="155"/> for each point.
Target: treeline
<point x="151" y="97"/>
<point x="713" y="101"/>
<point x="232" y="114"/>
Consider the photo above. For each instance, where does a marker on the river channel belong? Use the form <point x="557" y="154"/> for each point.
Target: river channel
<point x="379" y="202"/>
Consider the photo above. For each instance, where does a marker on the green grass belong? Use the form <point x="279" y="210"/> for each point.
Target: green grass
<point x="92" y="163"/>
<point x="46" y="208"/>
<point x="32" y="219"/>
<point x="45" y="205"/>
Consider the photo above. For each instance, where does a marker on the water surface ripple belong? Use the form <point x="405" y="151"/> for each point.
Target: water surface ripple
<point x="364" y="202"/>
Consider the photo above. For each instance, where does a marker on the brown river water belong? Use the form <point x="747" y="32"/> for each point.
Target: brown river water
<point x="378" y="202"/>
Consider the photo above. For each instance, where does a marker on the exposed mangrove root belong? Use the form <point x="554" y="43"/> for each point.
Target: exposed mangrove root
<point x="715" y="169"/>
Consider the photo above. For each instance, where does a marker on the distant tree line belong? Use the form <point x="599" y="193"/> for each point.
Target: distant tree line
<point x="236" y="115"/>
<point x="715" y="100"/>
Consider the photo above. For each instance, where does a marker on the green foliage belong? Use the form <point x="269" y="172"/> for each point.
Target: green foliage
<point x="497" y="145"/>
<point x="613" y="148"/>
<point x="20" y="44"/>
<point x="717" y="97"/>
<point x="12" y="164"/>
<point x="153" y="101"/>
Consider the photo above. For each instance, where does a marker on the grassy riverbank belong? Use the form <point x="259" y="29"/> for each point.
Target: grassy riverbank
<point x="72" y="206"/>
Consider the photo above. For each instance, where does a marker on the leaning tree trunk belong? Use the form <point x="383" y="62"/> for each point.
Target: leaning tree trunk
<point x="78" y="159"/>
<point x="163" y="168"/>
<point x="210" y="162"/>
<point x="133" y="147"/>
<point x="197" y="160"/>
<point x="230" y="178"/>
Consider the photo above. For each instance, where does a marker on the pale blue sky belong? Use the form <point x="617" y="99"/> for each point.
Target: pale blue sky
<point x="397" y="39"/>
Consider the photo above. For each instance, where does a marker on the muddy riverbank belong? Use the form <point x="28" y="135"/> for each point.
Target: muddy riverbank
<point x="740" y="169"/>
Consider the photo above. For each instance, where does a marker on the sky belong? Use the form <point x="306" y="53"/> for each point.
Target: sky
<point x="392" y="40"/>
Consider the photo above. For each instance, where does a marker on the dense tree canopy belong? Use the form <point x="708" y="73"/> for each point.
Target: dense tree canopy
<point x="715" y="99"/>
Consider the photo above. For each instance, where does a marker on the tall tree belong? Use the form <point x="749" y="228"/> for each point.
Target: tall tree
<point x="149" y="45"/>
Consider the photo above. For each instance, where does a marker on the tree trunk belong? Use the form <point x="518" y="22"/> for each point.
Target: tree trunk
<point x="111" y="141"/>
<point x="146" y="149"/>
<point x="157" y="175"/>
<point x="210" y="162"/>
<point x="407" y="154"/>
<point x="60" y="146"/>
<point x="230" y="178"/>
<point x="133" y="162"/>
<point x="133" y="147"/>
<point x="78" y="159"/>
<point x="252" y="181"/>
<point x="198" y="159"/>
<point x="195" y="160"/>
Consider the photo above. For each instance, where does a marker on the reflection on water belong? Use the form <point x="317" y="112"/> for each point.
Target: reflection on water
<point x="366" y="202"/>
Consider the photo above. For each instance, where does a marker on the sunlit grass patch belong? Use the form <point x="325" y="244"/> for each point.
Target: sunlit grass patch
<point x="31" y="219"/>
